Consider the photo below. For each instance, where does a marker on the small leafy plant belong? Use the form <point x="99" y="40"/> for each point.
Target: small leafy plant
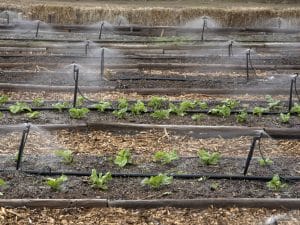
<point x="258" y="111"/>
<point x="138" y="108"/>
<point x="242" y="116"/>
<point x="285" y="118"/>
<point x="231" y="103"/>
<point x="156" y="102"/>
<point x="102" y="106"/>
<point x="221" y="110"/>
<point x="122" y="103"/>
<point x="123" y="158"/>
<point x="100" y="181"/>
<point x="3" y="99"/>
<point x="176" y="110"/>
<point x="78" y="113"/>
<point x="272" y="103"/>
<point x="60" y="105"/>
<point x="197" y="117"/>
<point x="33" y="115"/>
<point x="265" y="162"/>
<point x="202" y="105"/>
<point x="276" y="184"/>
<point x="160" y="114"/>
<point x="66" y="155"/>
<point x="157" y="181"/>
<point x="19" y="107"/>
<point x="186" y="105"/>
<point x="1" y="115"/>
<point x="165" y="157"/>
<point x="296" y="109"/>
<point x="80" y="101"/>
<point x="38" y="102"/>
<point x="208" y="158"/>
<point x="56" y="183"/>
<point x="2" y="184"/>
<point x="121" y="113"/>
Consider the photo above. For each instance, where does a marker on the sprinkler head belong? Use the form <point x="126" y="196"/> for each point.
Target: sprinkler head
<point x="205" y="21"/>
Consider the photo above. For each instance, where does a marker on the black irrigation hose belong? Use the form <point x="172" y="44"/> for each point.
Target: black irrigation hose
<point x="175" y="176"/>
<point x="154" y="78"/>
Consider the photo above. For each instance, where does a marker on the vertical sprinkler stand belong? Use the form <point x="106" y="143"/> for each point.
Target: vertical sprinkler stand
<point x="250" y="154"/>
<point x="247" y="63"/>
<point x="100" y="31"/>
<point x="203" y="27"/>
<point x="86" y="47"/>
<point x="76" y="76"/>
<point x="37" y="28"/>
<point x="102" y="64"/>
<point x="230" y="52"/>
<point x="22" y="145"/>
<point x="293" y="85"/>
<point x="7" y="17"/>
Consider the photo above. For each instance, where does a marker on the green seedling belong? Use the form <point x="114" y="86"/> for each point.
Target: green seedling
<point x="100" y="181"/>
<point x="3" y="99"/>
<point x="138" y="108"/>
<point x="102" y="106"/>
<point x="122" y="103"/>
<point x="285" y="118"/>
<point x="19" y="107"/>
<point x="1" y="115"/>
<point x="160" y="114"/>
<point x="2" y="184"/>
<point x="33" y="115"/>
<point x="231" y="103"/>
<point x="198" y="117"/>
<point x="80" y="101"/>
<point x="56" y="183"/>
<point x="296" y="109"/>
<point x="121" y="113"/>
<point x="272" y="103"/>
<point x="60" y="106"/>
<point x="157" y="181"/>
<point x="242" y="116"/>
<point x="214" y="186"/>
<point x="123" y="158"/>
<point x="276" y="184"/>
<point x="186" y="105"/>
<point x="165" y="157"/>
<point x="265" y="162"/>
<point x="176" y="110"/>
<point x="78" y="113"/>
<point x="38" y="102"/>
<point x="202" y="105"/>
<point x="208" y="158"/>
<point x="258" y="111"/>
<point x="66" y="155"/>
<point x="221" y="110"/>
<point x="156" y="102"/>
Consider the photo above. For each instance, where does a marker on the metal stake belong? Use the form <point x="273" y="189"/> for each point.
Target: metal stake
<point x="37" y="28"/>
<point x="230" y="52"/>
<point x="22" y="145"/>
<point x="293" y="83"/>
<point x="100" y="31"/>
<point x="247" y="63"/>
<point x="204" y="26"/>
<point x="76" y="76"/>
<point x="250" y="154"/>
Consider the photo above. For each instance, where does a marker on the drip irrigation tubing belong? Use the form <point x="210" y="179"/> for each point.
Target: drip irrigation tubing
<point x="141" y="175"/>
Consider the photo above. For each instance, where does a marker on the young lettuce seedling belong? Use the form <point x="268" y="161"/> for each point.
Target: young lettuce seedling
<point x="102" y="106"/>
<point x="2" y="184"/>
<point x="296" y="109"/>
<point x="242" y="116"/>
<point x="1" y="115"/>
<point x="272" y="103"/>
<point x="138" y="108"/>
<point x="60" y="105"/>
<point x="123" y="158"/>
<point x="208" y="158"/>
<point x="265" y="162"/>
<point x="221" y="110"/>
<point x="33" y="115"/>
<point x="122" y="103"/>
<point x="100" y="181"/>
<point x="66" y="155"/>
<point x="165" y="157"/>
<point x="19" y="107"/>
<point x="121" y="113"/>
<point x="160" y="114"/>
<point x="285" y="118"/>
<point x="156" y="102"/>
<point x="231" y="103"/>
<point x="3" y="99"/>
<point x="276" y="184"/>
<point x="259" y="111"/>
<point x="78" y="113"/>
<point x="157" y="181"/>
<point x="56" y="183"/>
<point x="38" y="102"/>
<point x="198" y="117"/>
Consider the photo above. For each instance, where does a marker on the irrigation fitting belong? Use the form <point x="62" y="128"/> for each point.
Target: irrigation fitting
<point x="250" y="154"/>
<point x="76" y="78"/>
<point x="22" y="145"/>
<point x="102" y="64"/>
<point x="86" y="46"/>
<point x="248" y="53"/>
<point x="37" y="28"/>
<point x="230" y="52"/>
<point x="203" y="27"/>
<point x="100" y="31"/>
<point x="293" y="86"/>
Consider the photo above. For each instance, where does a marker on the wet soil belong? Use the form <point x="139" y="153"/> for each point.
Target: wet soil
<point x="20" y="185"/>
